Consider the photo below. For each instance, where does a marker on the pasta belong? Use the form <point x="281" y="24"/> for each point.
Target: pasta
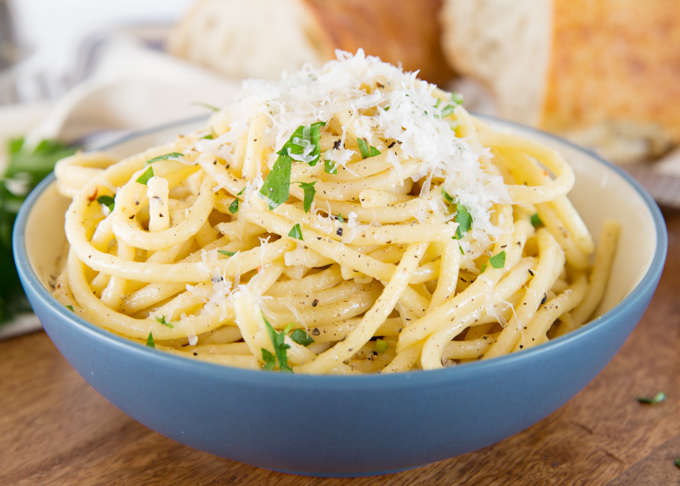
<point x="351" y="219"/>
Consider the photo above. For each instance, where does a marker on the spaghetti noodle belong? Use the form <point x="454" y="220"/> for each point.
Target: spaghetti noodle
<point x="351" y="219"/>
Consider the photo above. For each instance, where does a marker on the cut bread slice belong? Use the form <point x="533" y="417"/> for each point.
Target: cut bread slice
<point x="261" y="38"/>
<point x="573" y="65"/>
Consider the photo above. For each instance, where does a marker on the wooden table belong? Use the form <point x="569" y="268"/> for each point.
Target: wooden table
<point x="55" y="429"/>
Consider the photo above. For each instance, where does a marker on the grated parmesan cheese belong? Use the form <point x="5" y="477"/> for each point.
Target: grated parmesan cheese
<point x="407" y="112"/>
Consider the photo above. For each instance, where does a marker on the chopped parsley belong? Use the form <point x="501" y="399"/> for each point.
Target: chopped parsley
<point x="536" y="220"/>
<point x="276" y="187"/>
<point x="280" y="347"/>
<point x="70" y="307"/>
<point x="498" y="260"/>
<point x="227" y="253"/>
<point x="464" y="220"/>
<point x="296" y="232"/>
<point x="366" y="149"/>
<point x="107" y="201"/>
<point x="308" y="187"/>
<point x="233" y="207"/>
<point x="658" y="398"/>
<point x="457" y="98"/>
<point x="144" y="178"/>
<point x="460" y="247"/>
<point x="340" y="218"/>
<point x="171" y="155"/>
<point x="463" y="216"/>
<point x="208" y="137"/>
<point x="149" y="341"/>
<point x="677" y="462"/>
<point x="26" y="167"/>
<point x="446" y="195"/>
<point x="447" y="111"/>
<point x="380" y="346"/>
<point x="481" y="270"/>
<point x="304" y="145"/>
<point x="241" y="191"/>
<point x="330" y="167"/>
<point x="162" y="320"/>
<point x="301" y="337"/>
<point x="269" y="360"/>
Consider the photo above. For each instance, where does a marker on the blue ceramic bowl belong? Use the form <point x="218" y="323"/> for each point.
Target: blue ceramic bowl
<point x="353" y="425"/>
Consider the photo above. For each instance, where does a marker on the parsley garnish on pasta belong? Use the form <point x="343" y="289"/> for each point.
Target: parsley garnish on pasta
<point x="337" y="221"/>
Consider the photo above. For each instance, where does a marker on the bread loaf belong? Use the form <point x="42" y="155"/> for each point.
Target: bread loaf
<point x="574" y="66"/>
<point x="260" y="38"/>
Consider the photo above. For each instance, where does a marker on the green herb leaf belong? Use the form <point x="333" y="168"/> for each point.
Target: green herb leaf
<point x="162" y="320"/>
<point x="363" y="147"/>
<point x="303" y="144"/>
<point x="149" y="341"/>
<point x="206" y="105"/>
<point x="659" y="397"/>
<point x="329" y="167"/>
<point x="269" y="360"/>
<point x="276" y="188"/>
<point x="70" y="307"/>
<point x="208" y="137"/>
<point x="366" y="149"/>
<point x="228" y="253"/>
<point x="481" y="270"/>
<point x="241" y="191"/>
<point x="301" y="337"/>
<point x="308" y="187"/>
<point x="107" y="201"/>
<point x="280" y="346"/>
<point x="296" y="232"/>
<point x="677" y="462"/>
<point x="233" y="207"/>
<point x="26" y="167"/>
<point x="457" y="98"/>
<point x="380" y="346"/>
<point x="498" y="261"/>
<point x="446" y="195"/>
<point x="464" y="220"/>
<point x="171" y="155"/>
<point x="536" y="220"/>
<point x="460" y="247"/>
<point x="144" y="178"/>
<point x="340" y="218"/>
<point x="447" y="111"/>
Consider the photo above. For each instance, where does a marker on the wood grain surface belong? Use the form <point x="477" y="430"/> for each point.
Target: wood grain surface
<point x="55" y="429"/>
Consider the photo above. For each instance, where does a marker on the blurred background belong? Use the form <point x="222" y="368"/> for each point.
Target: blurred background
<point x="78" y="73"/>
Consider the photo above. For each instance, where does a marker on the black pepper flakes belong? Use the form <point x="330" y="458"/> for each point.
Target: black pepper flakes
<point x="339" y="232"/>
<point x="315" y="303"/>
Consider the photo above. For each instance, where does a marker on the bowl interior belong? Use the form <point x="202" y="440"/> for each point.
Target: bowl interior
<point x="601" y="191"/>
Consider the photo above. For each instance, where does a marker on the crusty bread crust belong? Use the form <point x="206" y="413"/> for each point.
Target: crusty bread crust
<point x="397" y="31"/>
<point x="607" y="62"/>
<point x="260" y="38"/>
<point x="249" y="38"/>
<point x="614" y="60"/>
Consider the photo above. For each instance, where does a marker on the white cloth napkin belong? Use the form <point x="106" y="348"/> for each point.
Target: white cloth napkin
<point x="132" y="87"/>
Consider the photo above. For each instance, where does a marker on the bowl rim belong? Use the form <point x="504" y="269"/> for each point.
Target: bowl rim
<point x="638" y="294"/>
